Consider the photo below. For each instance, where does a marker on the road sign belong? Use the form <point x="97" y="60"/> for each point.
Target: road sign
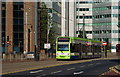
<point x="8" y="42"/>
<point x="104" y="43"/>
<point x="47" y="46"/>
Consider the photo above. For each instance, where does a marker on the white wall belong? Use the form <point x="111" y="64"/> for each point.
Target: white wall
<point x="72" y="18"/>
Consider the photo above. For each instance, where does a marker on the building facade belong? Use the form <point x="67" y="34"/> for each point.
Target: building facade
<point x="17" y="27"/>
<point x="101" y="20"/>
<point x="105" y="22"/>
<point x="68" y="20"/>
<point x="84" y="16"/>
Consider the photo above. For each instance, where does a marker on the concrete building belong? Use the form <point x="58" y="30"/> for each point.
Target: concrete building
<point x="68" y="22"/>
<point x="84" y="10"/>
<point x="105" y="21"/>
<point x="18" y="26"/>
<point x="54" y="11"/>
<point x="101" y="20"/>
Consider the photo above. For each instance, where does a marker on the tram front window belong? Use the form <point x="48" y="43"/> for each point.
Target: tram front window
<point x="63" y="47"/>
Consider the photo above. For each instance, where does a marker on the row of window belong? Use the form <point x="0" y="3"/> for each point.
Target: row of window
<point x="98" y="16"/>
<point x="81" y="17"/>
<point x="102" y="16"/>
<point x="105" y="8"/>
<point x="82" y="9"/>
<point x="18" y="27"/>
<point x="101" y="31"/>
<point x="3" y="24"/>
<point x="98" y="24"/>
<point x="90" y="2"/>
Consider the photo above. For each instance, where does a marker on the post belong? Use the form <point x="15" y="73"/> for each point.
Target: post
<point x="83" y="25"/>
<point x="35" y="32"/>
<point x="26" y="31"/>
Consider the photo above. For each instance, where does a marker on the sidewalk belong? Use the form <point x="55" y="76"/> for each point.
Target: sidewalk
<point x="112" y="72"/>
<point x="17" y="66"/>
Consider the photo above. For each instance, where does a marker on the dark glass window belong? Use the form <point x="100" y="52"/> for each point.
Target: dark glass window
<point x="15" y="14"/>
<point x="20" y="13"/>
<point x="15" y="7"/>
<point x="15" y="21"/>
<point x="21" y="21"/>
<point x="3" y="13"/>
<point x="3" y="21"/>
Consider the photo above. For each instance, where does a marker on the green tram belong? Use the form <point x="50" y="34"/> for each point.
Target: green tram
<point x="77" y="48"/>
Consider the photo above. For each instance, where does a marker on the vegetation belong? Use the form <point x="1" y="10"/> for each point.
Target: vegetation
<point x="45" y="24"/>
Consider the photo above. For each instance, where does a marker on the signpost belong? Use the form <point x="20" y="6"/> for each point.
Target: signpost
<point x="47" y="46"/>
<point x="104" y="44"/>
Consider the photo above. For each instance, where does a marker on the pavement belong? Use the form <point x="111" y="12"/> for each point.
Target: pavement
<point x="19" y="66"/>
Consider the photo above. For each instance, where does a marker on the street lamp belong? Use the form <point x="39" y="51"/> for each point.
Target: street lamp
<point x="28" y="9"/>
<point x="83" y="25"/>
<point x="48" y="29"/>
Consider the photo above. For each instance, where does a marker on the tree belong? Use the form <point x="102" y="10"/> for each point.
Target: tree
<point x="43" y="24"/>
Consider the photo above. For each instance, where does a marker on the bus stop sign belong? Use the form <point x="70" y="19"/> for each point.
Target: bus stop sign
<point x="104" y="43"/>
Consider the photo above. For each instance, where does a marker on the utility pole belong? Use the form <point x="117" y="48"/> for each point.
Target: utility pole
<point x="83" y="25"/>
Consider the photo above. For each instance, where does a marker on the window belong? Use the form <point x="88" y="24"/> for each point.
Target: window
<point x="114" y="31"/>
<point x="63" y="47"/>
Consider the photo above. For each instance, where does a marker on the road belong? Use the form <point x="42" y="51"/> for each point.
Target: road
<point x="94" y="68"/>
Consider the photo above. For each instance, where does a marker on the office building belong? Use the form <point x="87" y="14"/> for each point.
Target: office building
<point x="101" y="20"/>
<point x="17" y="26"/>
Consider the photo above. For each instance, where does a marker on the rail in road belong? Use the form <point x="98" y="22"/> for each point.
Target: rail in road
<point x="88" y="68"/>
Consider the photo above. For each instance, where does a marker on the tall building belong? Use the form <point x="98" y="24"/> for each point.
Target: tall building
<point x="101" y="20"/>
<point x="68" y="21"/>
<point x="84" y="16"/>
<point x="54" y="10"/>
<point x="105" y="21"/>
<point x="64" y="18"/>
<point x="18" y="26"/>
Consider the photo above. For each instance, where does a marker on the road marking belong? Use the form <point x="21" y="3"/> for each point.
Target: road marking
<point x="45" y="67"/>
<point x="56" y="72"/>
<point x="36" y="71"/>
<point x="82" y="66"/>
<point x="90" y="64"/>
<point x="44" y="75"/>
<point x="70" y="68"/>
<point x="75" y="73"/>
<point x="98" y="63"/>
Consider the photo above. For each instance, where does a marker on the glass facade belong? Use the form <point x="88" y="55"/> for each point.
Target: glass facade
<point x="3" y="25"/>
<point x="18" y="26"/>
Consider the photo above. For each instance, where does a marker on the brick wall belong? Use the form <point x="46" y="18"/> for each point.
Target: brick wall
<point x="9" y="25"/>
<point x="30" y="23"/>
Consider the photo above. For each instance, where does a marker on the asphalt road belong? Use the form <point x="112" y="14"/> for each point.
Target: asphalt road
<point x="94" y="68"/>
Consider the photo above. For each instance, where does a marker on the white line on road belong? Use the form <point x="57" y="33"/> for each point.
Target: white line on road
<point x="36" y="71"/>
<point x="98" y="63"/>
<point x="90" y="64"/>
<point x="75" y="73"/>
<point x="56" y="72"/>
<point x="44" y="75"/>
<point x="70" y="68"/>
<point x="82" y="66"/>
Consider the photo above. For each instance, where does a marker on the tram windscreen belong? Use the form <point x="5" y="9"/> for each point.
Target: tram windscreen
<point x="63" y="47"/>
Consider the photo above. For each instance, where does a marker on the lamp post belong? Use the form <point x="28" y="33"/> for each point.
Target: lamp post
<point x="48" y="29"/>
<point x="27" y="28"/>
<point x="83" y="25"/>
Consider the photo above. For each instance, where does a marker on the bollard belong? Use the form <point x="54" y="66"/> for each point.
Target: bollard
<point x="10" y="57"/>
<point x="3" y="56"/>
<point x="21" y="57"/>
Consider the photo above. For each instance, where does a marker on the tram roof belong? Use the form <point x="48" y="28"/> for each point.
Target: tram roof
<point x="82" y="39"/>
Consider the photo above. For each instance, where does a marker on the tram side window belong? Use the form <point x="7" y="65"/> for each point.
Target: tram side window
<point x="74" y="47"/>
